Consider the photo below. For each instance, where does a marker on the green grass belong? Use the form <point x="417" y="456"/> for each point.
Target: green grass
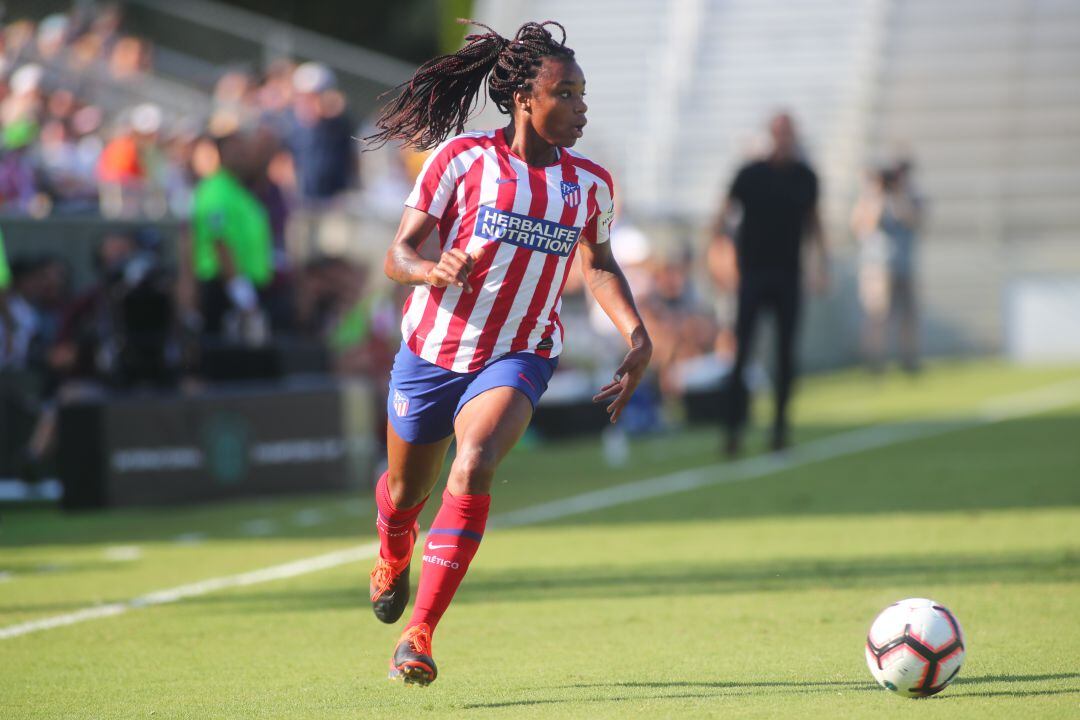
<point x="739" y="600"/>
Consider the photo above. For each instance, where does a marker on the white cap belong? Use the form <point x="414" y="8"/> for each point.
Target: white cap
<point x="313" y="77"/>
<point x="27" y="78"/>
<point x="146" y="118"/>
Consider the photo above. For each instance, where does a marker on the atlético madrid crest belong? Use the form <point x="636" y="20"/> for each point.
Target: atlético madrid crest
<point x="401" y="404"/>
<point x="571" y="193"/>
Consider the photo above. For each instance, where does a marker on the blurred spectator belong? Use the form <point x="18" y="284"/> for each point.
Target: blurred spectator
<point x="52" y="37"/>
<point x="778" y="197"/>
<point x="53" y="292"/>
<point x="324" y="156"/>
<point x="235" y="98"/>
<point x="18" y="177"/>
<point x="146" y="122"/>
<point x="179" y="176"/>
<point x="87" y="343"/>
<point x="117" y="333"/>
<point x="275" y="95"/>
<point x="267" y="184"/>
<point x="104" y="24"/>
<point x="24" y="100"/>
<point x="64" y="170"/>
<point x="130" y="56"/>
<point x="131" y="167"/>
<point x="18" y="40"/>
<point x="120" y="173"/>
<point x="320" y="136"/>
<point x="232" y="246"/>
<point x="683" y="325"/>
<point x="23" y="335"/>
<point x="886" y="221"/>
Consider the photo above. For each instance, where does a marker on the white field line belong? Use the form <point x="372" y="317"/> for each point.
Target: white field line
<point x="1006" y="408"/>
<point x="123" y="553"/>
<point x="161" y="597"/>
<point x="308" y="517"/>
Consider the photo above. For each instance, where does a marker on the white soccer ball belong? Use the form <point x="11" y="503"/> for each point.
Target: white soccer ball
<point x="915" y="647"/>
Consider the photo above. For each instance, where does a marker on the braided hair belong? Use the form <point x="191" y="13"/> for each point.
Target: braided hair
<point x="441" y="95"/>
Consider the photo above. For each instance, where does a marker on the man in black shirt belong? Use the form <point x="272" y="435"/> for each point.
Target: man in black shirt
<point x="778" y="199"/>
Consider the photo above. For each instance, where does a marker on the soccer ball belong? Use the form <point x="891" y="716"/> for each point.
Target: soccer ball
<point x="915" y="647"/>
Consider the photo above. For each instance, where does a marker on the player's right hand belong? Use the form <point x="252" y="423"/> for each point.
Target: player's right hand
<point x="453" y="268"/>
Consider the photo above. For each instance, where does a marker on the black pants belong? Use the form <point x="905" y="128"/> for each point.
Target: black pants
<point x="214" y="302"/>
<point x="780" y="293"/>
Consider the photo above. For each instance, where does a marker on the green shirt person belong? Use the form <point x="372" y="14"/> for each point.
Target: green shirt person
<point x="5" y="271"/>
<point x="228" y="218"/>
<point x="7" y="322"/>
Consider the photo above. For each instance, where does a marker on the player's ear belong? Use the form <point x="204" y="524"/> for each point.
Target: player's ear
<point x="523" y="100"/>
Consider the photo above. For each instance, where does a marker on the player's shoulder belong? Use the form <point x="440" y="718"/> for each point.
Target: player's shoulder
<point x="806" y="168"/>
<point x="465" y="141"/>
<point x="591" y="167"/>
<point x="755" y="166"/>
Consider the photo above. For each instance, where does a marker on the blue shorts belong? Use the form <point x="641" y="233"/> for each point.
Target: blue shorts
<point x="424" y="399"/>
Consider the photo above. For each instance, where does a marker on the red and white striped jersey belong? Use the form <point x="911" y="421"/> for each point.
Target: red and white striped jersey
<point x="528" y="222"/>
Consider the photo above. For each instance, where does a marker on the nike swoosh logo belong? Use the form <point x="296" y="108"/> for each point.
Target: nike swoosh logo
<point x="503" y="181"/>
<point x="439" y="547"/>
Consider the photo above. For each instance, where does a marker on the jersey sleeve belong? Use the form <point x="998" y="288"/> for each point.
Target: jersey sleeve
<point x="598" y="228"/>
<point x="438" y="178"/>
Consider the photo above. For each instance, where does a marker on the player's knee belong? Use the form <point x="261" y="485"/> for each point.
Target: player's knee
<point x="401" y="494"/>
<point x="473" y="469"/>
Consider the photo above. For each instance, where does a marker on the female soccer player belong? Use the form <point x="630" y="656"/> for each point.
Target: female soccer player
<point x="481" y="331"/>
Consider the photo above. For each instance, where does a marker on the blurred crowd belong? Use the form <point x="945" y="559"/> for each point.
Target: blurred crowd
<point x="76" y="138"/>
<point x="271" y="155"/>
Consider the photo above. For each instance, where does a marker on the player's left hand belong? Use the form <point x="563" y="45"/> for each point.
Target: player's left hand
<point x="627" y="378"/>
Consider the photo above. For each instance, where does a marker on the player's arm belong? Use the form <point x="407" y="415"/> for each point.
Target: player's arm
<point x="720" y="254"/>
<point x="224" y="254"/>
<point x="404" y="264"/>
<point x="608" y="285"/>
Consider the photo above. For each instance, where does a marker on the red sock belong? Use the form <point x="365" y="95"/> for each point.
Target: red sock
<point x="395" y="526"/>
<point x="451" y="543"/>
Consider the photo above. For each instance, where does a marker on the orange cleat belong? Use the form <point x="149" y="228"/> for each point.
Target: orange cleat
<point x="412" y="661"/>
<point x="389" y="588"/>
<point x="389" y="585"/>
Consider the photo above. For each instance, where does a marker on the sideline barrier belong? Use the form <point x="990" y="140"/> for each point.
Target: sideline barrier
<point x="160" y="450"/>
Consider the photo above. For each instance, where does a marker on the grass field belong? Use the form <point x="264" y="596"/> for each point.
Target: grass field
<point x="746" y="594"/>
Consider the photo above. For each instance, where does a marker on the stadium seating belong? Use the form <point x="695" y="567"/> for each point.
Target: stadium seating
<point x="983" y="92"/>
